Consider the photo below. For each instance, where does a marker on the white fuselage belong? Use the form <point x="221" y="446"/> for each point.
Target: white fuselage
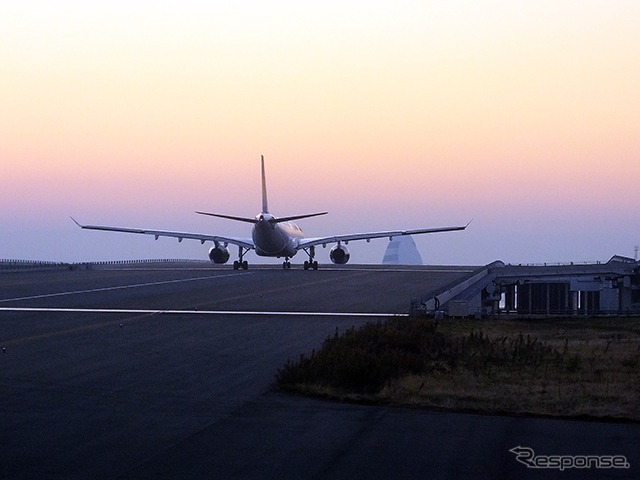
<point x="275" y="239"/>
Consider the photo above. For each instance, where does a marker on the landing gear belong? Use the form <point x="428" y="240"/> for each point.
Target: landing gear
<point x="241" y="264"/>
<point x="286" y="264"/>
<point x="311" y="263"/>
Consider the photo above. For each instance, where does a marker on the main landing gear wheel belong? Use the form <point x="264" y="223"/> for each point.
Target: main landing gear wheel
<point x="311" y="263"/>
<point x="241" y="264"/>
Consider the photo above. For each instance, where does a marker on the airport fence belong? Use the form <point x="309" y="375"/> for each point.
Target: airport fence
<point x="144" y="263"/>
<point x="11" y="265"/>
<point x="149" y="260"/>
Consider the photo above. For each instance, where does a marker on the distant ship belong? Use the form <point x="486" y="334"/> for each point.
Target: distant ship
<point x="402" y="251"/>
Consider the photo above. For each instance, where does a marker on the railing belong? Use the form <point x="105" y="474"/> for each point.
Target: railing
<point x="28" y="262"/>
<point x="150" y="260"/>
<point x="12" y="265"/>
<point x="634" y="311"/>
<point x="22" y="265"/>
<point x="553" y="264"/>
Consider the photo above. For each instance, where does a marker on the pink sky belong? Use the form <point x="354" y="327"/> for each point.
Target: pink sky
<point x="522" y="115"/>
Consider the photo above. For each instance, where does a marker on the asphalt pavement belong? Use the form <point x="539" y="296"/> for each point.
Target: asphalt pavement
<point x="91" y="392"/>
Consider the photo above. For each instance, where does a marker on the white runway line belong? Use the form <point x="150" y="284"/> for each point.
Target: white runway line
<point x="401" y="270"/>
<point x="198" y="312"/>
<point x="118" y="287"/>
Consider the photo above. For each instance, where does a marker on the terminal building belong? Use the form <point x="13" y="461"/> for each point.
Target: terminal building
<point x="611" y="288"/>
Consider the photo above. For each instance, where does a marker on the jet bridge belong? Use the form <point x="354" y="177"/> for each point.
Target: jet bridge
<point x="611" y="288"/>
<point x="591" y="289"/>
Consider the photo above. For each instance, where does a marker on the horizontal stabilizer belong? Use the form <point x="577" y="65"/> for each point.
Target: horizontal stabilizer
<point x="272" y="220"/>
<point x="297" y="217"/>
<point x="229" y="217"/>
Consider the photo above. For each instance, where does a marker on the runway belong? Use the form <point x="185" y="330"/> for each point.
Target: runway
<point x="200" y="312"/>
<point x="167" y="373"/>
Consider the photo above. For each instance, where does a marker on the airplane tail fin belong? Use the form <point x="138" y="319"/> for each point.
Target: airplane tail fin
<point x="265" y="206"/>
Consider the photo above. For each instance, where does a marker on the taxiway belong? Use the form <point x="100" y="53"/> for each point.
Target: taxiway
<point x="140" y="373"/>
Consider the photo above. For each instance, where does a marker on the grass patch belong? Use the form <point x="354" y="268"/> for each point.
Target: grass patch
<point x="584" y="367"/>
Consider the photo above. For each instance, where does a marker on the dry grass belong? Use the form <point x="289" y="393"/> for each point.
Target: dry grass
<point x="586" y="367"/>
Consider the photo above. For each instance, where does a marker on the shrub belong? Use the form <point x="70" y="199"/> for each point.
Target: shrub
<point x="364" y="360"/>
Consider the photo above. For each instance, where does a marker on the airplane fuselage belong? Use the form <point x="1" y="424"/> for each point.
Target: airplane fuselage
<point x="275" y="239"/>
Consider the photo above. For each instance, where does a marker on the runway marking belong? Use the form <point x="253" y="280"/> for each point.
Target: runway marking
<point x="198" y="312"/>
<point x="119" y="287"/>
<point x="401" y="270"/>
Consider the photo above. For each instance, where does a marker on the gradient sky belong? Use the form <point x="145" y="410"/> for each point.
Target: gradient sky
<point x="524" y="116"/>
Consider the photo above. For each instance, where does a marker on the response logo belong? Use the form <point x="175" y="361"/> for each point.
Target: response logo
<point x="527" y="457"/>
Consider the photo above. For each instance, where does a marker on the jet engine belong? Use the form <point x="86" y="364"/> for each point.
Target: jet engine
<point x="219" y="254"/>
<point x="339" y="254"/>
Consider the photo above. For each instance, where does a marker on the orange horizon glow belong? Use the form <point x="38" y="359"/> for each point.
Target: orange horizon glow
<point x="409" y="107"/>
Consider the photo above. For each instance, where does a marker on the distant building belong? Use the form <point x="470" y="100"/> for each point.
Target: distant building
<point x="611" y="288"/>
<point x="402" y="251"/>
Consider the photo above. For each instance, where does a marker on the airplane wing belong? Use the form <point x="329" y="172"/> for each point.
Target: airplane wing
<point x="309" y="242"/>
<point x="242" y="242"/>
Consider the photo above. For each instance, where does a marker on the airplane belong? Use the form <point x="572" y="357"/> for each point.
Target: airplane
<point x="273" y="237"/>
